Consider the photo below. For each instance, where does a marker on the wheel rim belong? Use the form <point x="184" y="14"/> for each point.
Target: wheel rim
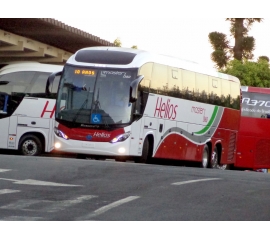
<point x="29" y="147"/>
<point x="205" y="159"/>
<point x="214" y="160"/>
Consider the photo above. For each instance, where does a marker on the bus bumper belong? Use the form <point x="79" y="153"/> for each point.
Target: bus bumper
<point x="92" y="148"/>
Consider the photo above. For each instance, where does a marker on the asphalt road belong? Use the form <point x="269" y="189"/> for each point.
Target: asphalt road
<point x="69" y="189"/>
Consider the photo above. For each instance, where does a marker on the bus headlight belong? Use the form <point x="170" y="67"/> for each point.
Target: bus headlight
<point x="60" y="133"/>
<point x="121" y="138"/>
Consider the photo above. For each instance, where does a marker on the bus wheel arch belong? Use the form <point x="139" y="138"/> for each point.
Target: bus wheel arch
<point x="147" y="150"/>
<point x="31" y="144"/>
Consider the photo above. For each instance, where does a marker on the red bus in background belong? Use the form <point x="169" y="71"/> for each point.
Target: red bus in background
<point x="253" y="147"/>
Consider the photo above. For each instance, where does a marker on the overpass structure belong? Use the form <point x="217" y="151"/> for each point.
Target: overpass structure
<point x="45" y="40"/>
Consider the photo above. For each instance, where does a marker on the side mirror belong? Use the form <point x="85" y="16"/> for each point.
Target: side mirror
<point x="50" y="81"/>
<point x="134" y="88"/>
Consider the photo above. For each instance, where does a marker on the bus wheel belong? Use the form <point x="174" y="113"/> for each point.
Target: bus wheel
<point x="215" y="161"/>
<point x="145" y="153"/>
<point x="81" y="156"/>
<point x="205" y="157"/>
<point x="120" y="159"/>
<point x="30" y="145"/>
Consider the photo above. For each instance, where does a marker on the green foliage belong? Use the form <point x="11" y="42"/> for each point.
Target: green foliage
<point x="117" y="42"/>
<point x="220" y="58"/>
<point x="255" y="74"/>
<point x="243" y="47"/>
<point x="218" y="40"/>
<point x="248" y="47"/>
<point x="265" y="58"/>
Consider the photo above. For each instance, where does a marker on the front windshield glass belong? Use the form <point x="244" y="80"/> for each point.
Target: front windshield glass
<point x="94" y="96"/>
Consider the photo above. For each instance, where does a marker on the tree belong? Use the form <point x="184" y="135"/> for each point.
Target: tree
<point x="255" y="74"/>
<point x="117" y="42"/>
<point x="244" y="44"/>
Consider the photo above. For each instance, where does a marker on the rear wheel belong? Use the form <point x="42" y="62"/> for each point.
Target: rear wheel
<point x="205" y="157"/>
<point x="81" y="156"/>
<point x="30" y="145"/>
<point x="215" y="161"/>
<point x="120" y="159"/>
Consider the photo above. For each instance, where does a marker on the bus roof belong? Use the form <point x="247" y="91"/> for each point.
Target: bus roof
<point x="29" y="66"/>
<point x="135" y="58"/>
<point x="255" y="89"/>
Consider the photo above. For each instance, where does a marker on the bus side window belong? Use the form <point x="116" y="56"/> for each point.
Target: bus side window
<point x="188" y="87"/>
<point x="159" y="80"/>
<point x="201" y="88"/>
<point x="175" y="83"/>
<point x="214" y="91"/>
<point x="3" y="103"/>
<point x="38" y="85"/>
<point x="235" y="96"/>
<point x="143" y="93"/>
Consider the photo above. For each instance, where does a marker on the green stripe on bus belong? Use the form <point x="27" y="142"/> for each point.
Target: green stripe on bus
<point x="206" y="128"/>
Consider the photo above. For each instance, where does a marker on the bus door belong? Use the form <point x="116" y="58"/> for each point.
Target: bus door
<point x="159" y="137"/>
<point x="12" y="132"/>
<point x="4" y="120"/>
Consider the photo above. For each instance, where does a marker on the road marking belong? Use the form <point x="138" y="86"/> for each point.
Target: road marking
<point x="61" y="205"/>
<point x="22" y="204"/>
<point x="5" y="191"/>
<point x="198" y="180"/>
<point x="4" y="170"/>
<point x="108" y="207"/>
<point x="21" y="218"/>
<point x="39" y="183"/>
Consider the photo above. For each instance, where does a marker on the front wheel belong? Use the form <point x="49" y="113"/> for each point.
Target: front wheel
<point x="30" y="145"/>
<point x="146" y="155"/>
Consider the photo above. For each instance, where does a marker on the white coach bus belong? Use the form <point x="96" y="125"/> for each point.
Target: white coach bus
<point x="27" y="107"/>
<point x="132" y="104"/>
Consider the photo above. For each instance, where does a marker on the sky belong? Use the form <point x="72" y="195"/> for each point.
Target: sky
<point x="186" y="38"/>
<point x="171" y="27"/>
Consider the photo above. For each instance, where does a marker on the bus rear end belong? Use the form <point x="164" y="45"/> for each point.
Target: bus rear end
<point x="253" y="147"/>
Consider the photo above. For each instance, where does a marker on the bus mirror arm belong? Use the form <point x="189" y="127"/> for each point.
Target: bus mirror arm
<point x="50" y="81"/>
<point x="134" y="88"/>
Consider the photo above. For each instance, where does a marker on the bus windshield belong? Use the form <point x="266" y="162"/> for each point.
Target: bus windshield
<point x="94" y="96"/>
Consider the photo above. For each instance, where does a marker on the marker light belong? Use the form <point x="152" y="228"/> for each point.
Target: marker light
<point x="120" y="138"/>
<point x="121" y="150"/>
<point x="57" y="145"/>
<point x="60" y="133"/>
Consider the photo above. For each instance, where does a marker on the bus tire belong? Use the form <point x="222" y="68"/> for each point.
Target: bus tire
<point x="120" y="159"/>
<point x="215" y="161"/>
<point x="145" y="157"/>
<point x="30" y="145"/>
<point x="81" y="156"/>
<point x="205" y="157"/>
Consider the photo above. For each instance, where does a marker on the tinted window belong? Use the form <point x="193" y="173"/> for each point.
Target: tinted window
<point x="255" y="105"/>
<point x="104" y="57"/>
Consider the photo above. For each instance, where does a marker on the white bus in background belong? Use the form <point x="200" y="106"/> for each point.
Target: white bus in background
<point x="27" y="107"/>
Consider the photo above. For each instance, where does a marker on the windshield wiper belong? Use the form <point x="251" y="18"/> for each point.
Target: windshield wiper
<point x="81" y="108"/>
